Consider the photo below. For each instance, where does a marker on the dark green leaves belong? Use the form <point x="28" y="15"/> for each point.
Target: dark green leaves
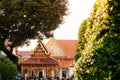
<point x="7" y="68"/>
<point x="98" y="47"/>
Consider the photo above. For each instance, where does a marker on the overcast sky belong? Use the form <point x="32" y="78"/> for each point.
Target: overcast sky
<point x="79" y="10"/>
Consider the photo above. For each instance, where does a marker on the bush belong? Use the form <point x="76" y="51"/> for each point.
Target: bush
<point x="7" y="68"/>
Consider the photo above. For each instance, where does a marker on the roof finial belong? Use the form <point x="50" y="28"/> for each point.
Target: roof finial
<point x="39" y="41"/>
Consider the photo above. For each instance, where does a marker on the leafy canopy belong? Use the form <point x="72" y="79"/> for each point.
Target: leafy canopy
<point x="98" y="48"/>
<point x="22" y="20"/>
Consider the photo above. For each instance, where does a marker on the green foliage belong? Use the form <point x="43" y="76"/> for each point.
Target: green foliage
<point x="82" y="39"/>
<point x="22" y="20"/>
<point x="7" y="68"/>
<point x="98" y="47"/>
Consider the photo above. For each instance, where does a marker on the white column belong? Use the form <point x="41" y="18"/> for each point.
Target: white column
<point x="26" y="75"/>
<point x="53" y="73"/>
<point x="43" y="73"/>
<point x="70" y="71"/>
<point x="60" y="73"/>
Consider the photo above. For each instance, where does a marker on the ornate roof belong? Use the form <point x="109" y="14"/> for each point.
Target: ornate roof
<point x="40" y="55"/>
<point x="60" y="52"/>
<point x="46" y="61"/>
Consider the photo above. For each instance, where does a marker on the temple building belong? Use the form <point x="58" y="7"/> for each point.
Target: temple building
<point x="55" y="59"/>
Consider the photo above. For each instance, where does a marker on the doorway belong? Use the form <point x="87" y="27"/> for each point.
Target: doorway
<point x="40" y="74"/>
<point x="64" y="74"/>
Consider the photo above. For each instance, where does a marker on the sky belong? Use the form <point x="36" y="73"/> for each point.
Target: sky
<point x="78" y="10"/>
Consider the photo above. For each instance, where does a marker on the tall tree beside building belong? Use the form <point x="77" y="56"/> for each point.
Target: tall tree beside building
<point x="82" y="40"/>
<point x="22" y="20"/>
<point x="98" y="45"/>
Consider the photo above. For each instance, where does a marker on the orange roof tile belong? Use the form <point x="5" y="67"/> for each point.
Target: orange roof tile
<point x="69" y="46"/>
<point x="40" y="56"/>
<point x="41" y="61"/>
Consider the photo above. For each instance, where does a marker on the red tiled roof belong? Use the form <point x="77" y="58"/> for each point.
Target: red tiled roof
<point x="69" y="46"/>
<point x="41" y="61"/>
<point x="40" y="57"/>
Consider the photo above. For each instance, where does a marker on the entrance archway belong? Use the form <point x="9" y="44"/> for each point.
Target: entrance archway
<point x="40" y="74"/>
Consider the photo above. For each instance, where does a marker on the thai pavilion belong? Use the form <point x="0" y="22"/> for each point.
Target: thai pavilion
<point x="55" y="59"/>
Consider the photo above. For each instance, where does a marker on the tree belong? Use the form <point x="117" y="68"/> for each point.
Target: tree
<point x="7" y="68"/>
<point x="22" y="20"/>
<point x="82" y="40"/>
<point x="0" y="77"/>
<point x="100" y="39"/>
